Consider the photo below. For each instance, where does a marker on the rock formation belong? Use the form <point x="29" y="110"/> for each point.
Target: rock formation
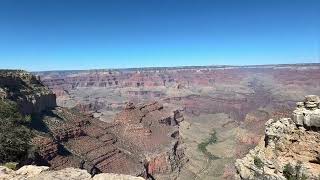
<point x="289" y="147"/>
<point x="307" y="113"/>
<point x="25" y="89"/>
<point x="151" y="132"/>
<point x="142" y="141"/>
<point x="43" y="172"/>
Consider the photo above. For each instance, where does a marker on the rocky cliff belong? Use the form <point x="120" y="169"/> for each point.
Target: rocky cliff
<point x="143" y="140"/>
<point x="43" y="172"/>
<point x="290" y="148"/>
<point x="26" y="90"/>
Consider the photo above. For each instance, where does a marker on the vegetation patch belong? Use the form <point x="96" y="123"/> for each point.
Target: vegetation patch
<point x="11" y="165"/>
<point x="257" y="162"/>
<point x="15" y="137"/>
<point x="203" y="146"/>
<point x="294" y="173"/>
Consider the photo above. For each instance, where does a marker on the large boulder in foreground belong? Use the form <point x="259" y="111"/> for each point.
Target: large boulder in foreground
<point x="42" y="172"/>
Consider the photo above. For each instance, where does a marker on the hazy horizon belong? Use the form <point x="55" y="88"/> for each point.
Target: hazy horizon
<point x="44" y="35"/>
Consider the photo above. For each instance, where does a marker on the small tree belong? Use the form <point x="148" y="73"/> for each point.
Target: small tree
<point x="257" y="162"/>
<point x="260" y="165"/>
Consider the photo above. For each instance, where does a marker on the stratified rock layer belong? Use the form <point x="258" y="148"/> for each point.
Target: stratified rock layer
<point x="151" y="131"/>
<point x="142" y="141"/>
<point x="286" y="142"/>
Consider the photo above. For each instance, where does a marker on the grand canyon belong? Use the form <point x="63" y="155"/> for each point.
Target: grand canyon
<point x="159" y="90"/>
<point x="188" y="105"/>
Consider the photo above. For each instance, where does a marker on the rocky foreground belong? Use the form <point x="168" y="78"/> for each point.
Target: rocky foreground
<point x="290" y="148"/>
<point x="43" y="172"/>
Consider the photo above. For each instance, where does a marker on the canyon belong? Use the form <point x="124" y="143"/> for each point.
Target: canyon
<point x="142" y="140"/>
<point x="192" y="103"/>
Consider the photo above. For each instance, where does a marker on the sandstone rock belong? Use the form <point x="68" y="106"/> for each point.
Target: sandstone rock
<point x="312" y="98"/>
<point x="110" y="176"/>
<point x="308" y="115"/>
<point x="68" y="173"/>
<point x="284" y="142"/>
<point x="300" y="104"/>
<point x="312" y="101"/>
<point x="5" y="173"/>
<point x="30" y="171"/>
<point x="42" y="173"/>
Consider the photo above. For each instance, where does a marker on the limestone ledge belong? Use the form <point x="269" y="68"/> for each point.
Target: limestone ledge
<point x="31" y="172"/>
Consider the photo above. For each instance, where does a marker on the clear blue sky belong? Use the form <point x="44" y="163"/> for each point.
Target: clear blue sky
<point x="85" y="34"/>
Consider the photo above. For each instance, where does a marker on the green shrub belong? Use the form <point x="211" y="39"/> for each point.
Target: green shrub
<point x="14" y="135"/>
<point x="288" y="171"/>
<point x="9" y="111"/>
<point x="11" y="165"/>
<point x="294" y="173"/>
<point x="257" y="162"/>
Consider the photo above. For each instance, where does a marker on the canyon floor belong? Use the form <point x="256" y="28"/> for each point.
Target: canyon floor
<point x="230" y="103"/>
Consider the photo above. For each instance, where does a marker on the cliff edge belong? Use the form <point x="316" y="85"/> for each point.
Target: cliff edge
<point x="290" y="148"/>
<point x="26" y="90"/>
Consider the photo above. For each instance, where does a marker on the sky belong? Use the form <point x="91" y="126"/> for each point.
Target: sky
<point x="39" y="35"/>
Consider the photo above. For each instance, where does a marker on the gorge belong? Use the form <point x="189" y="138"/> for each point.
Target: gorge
<point x="233" y="102"/>
<point x="157" y="123"/>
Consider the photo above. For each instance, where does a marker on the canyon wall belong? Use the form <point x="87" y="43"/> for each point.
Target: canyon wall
<point x="25" y="89"/>
<point x="234" y="102"/>
<point x="142" y="140"/>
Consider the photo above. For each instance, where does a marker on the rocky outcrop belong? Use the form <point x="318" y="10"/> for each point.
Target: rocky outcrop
<point x="151" y="131"/>
<point x="43" y="172"/>
<point x="307" y="113"/>
<point x="287" y="149"/>
<point x="26" y="90"/>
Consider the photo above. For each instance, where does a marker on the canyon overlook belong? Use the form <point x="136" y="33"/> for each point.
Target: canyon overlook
<point x="143" y="140"/>
<point x="231" y="102"/>
<point x="183" y="123"/>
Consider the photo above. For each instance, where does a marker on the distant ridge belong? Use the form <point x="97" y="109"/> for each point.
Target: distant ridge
<point x="183" y="67"/>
